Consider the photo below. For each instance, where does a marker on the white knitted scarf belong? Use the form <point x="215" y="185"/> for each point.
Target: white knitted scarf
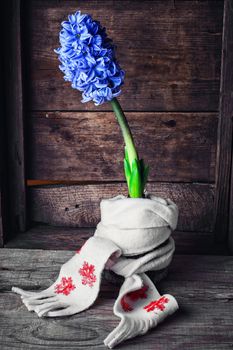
<point x="139" y="226"/>
<point x="133" y="237"/>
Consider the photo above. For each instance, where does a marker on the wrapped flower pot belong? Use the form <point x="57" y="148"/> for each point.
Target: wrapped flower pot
<point x="133" y="237"/>
<point x="142" y="228"/>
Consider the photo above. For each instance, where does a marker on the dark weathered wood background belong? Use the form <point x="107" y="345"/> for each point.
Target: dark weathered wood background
<point x="171" y="52"/>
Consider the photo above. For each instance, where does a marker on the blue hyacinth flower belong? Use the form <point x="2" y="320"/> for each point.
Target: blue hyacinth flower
<point x="88" y="59"/>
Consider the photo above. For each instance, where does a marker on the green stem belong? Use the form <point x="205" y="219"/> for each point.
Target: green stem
<point x="128" y="137"/>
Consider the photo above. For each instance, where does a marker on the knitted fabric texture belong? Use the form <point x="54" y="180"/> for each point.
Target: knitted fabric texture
<point x="139" y="226"/>
<point x="128" y="227"/>
<point x="78" y="283"/>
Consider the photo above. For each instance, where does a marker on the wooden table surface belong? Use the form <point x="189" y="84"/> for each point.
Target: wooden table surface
<point x="202" y="285"/>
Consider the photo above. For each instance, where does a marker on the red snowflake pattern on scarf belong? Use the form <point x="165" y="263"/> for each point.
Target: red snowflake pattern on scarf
<point x="65" y="286"/>
<point x="125" y="306"/>
<point x="87" y="272"/>
<point x="138" y="294"/>
<point x="157" y="304"/>
<point x="133" y="296"/>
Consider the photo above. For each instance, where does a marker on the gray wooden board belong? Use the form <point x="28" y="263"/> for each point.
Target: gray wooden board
<point x="202" y="286"/>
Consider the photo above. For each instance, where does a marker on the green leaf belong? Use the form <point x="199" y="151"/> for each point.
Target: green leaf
<point x="135" y="185"/>
<point x="145" y="177"/>
<point x="144" y="173"/>
<point x="126" y="155"/>
<point x="127" y="171"/>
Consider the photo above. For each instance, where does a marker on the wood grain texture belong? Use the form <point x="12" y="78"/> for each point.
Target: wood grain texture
<point x="89" y="146"/>
<point x="225" y="129"/>
<point x="14" y="126"/>
<point x="78" y="206"/>
<point x="2" y="143"/>
<point x="1" y="220"/>
<point x="227" y="106"/>
<point x="201" y="284"/>
<point x="171" y="53"/>
<point x="69" y="238"/>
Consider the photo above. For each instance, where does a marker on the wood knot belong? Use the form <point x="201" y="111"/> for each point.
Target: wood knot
<point x="170" y="123"/>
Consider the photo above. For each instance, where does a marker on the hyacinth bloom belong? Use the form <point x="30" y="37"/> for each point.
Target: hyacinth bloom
<point x="88" y="61"/>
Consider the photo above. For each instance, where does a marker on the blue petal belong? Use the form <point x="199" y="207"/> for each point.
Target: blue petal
<point x="88" y="60"/>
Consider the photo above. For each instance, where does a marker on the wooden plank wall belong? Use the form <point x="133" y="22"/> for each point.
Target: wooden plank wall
<point x="180" y="147"/>
<point x="225" y="140"/>
<point x="2" y="158"/>
<point x="12" y="133"/>
<point x="227" y="109"/>
<point x="2" y="233"/>
<point x="171" y="51"/>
